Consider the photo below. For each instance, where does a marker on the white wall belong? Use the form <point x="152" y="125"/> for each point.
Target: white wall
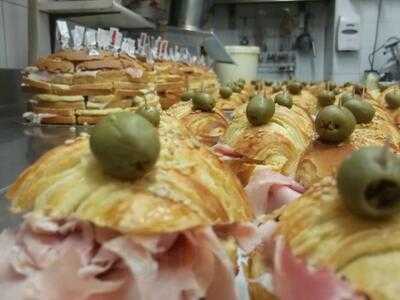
<point x="308" y="67"/>
<point x="350" y="66"/>
<point x="14" y="34"/>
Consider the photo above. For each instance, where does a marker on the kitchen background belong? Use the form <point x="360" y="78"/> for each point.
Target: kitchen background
<point x="264" y="25"/>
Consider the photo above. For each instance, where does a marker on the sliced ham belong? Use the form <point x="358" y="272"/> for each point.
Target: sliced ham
<point x="248" y="235"/>
<point x="294" y="280"/>
<point x="268" y="190"/>
<point x="226" y="152"/>
<point x="134" y="73"/>
<point x="60" y="260"/>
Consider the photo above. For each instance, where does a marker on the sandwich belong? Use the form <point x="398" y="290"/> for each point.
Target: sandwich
<point x="93" y="116"/>
<point x="150" y="214"/>
<point x="322" y="159"/>
<point x="278" y="144"/>
<point x="207" y="127"/>
<point x="339" y="240"/>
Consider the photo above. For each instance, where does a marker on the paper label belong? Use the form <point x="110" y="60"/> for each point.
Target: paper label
<point x="91" y="41"/>
<point x="164" y="49"/>
<point x="128" y="47"/>
<point x="64" y="35"/>
<point x="78" y="34"/>
<point x="115" y="38"/>
<point x="103" y="39"/>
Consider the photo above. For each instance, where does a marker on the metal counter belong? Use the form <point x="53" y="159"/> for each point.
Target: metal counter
<point x="21" y="144"/>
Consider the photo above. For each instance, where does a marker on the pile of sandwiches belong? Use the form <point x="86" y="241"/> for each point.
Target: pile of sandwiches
<point x="75" y="87"/>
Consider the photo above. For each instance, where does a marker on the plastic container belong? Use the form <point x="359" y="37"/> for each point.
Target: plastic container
<point x="246" y="59"/>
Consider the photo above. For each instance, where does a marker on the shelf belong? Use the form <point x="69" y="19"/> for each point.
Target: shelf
<point x="96" y="13"/>
<point x="258" y="1"/>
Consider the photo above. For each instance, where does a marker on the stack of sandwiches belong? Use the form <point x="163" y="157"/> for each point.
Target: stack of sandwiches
<point x="75" y="87"/>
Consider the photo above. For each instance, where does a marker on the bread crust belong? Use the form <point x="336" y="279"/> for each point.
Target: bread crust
<point x="55" y="65"/>
<point x="188" y="187"/>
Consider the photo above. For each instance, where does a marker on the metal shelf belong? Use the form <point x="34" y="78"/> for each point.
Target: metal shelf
<point x="96" y="13"/>
<point x="259" y="1"/>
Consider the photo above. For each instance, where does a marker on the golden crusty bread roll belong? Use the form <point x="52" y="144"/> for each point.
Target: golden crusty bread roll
<point x="55" y="115"/>
<point x="277" y="144"/>
<point x="207" y="127"/>
<point x="307" y="101"/>
<point x="328" y="249"/>
<point x="55" y="101"/>
<point x="321" y="160"/>
<point x="79" y="55"/>
<point x="187" y="187"/>
<point x="55" y="65"/>
<point x="228" y="106"/>
<point x="319" y="228"/>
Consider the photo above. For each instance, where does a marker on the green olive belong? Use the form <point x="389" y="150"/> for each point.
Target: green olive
<point x="276" y="88"/>
<point x="268" y="83"/>
<point x="254" y="82"/>
<point x="203" y="102"/>
<point x="126" y="145"/>
<point x="358" y="89"/>
<point x="330" y="85"/>
<point x="187" y="96"/>
<point x="347" y="84"/>
<point x="334" y="124"/>
<point x="260" y="110"/>
<point x="151" y="114"/>
<point x="393" y="99"/>
<point x="294" y="87"/>
<point x="284" y="99"/>
<point x="231" y="85"/>
<point x="241" y="81"/>
<point x="382" y="87"/>
<point x="337" y="91"/>
<point x="236" y="89"/>
<point x="362" y="110"/>
<point x="346" y="96"/>
<point x="326" y="98"/>
<point x="369" y="182"/>
<point x="225" y="92"/>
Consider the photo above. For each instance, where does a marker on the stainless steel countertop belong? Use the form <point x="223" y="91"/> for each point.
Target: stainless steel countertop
<point x="21" y="144"/>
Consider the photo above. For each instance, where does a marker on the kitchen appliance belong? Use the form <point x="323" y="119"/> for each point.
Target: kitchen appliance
<point x="348" y="38"/>
<point x="246" y="63"/>
<point x="190" y="16"/>
<point x="305" y="42"/>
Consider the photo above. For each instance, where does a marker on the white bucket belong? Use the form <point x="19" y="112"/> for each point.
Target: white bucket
<point x="246" y="59"/>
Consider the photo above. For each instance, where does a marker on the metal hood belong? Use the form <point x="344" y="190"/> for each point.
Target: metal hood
<point x="190" y="16"/>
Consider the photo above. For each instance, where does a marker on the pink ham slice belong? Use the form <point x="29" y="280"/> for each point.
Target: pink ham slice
<point x="60" y="260"/>
<point x="225" y="152"/>
<point x="134" y="73"/>
<point x="290" y="278"/>
<point x="268" y="190"/>
<point x="294" y="280"/>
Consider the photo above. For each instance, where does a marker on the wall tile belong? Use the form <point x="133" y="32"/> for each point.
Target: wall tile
<point x="264" y="21"/>
<point x="3" y="52"/>
<point x="18" y="2"/>
<point x="342" y="78"/>
<point x="15" y="20"/>
<point x="44" y="35"/>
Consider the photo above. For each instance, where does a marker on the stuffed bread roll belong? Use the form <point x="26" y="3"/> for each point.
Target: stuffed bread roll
<point x="277" y="144"/>
<point x="207" y="127"/>
<point x="307" y="101"/>
<point x="321" y="159"/>
<point x="335" y="242"/>
<point x="264" y="157"/>
<point x="90" y="235"/>
<point x="390" y="100"/>
<point x="227" y="106"/>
